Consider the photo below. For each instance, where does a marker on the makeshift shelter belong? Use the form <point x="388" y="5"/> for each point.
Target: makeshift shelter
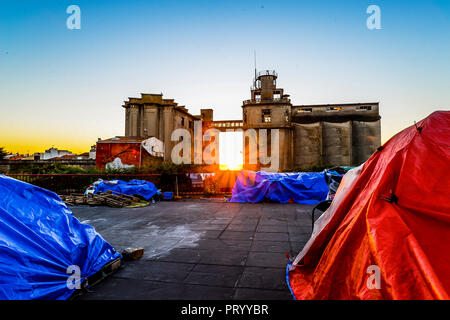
<point x="42" y="243"/>
<point x="301" y="187"/>
<point x="387" y="233"/>
<point x="141" y="188"/>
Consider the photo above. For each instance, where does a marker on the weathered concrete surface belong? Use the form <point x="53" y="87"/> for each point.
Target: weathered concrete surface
<point x="201" y="249"/>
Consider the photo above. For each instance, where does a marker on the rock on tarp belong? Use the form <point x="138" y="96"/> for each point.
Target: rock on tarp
<point x="39" y="240"/>
<point x="386" y="234"/>
<point x="301" y="187"/>
<point x="143" y="188"/>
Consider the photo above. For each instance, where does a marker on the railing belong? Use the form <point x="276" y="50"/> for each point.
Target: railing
<point x="267" y="73"/>
<point x="185" y="184"/>
<point x="261" y="101"/>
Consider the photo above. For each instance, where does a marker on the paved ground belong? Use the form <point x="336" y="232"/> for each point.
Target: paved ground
<point x="201" y="249"/>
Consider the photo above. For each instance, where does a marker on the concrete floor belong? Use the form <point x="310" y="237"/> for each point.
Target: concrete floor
<point x="201" y="249"/>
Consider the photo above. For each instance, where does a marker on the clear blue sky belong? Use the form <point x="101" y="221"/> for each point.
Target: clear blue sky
<point x="65" y="87"/>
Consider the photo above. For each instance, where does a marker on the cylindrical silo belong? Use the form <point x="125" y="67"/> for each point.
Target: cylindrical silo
<point x="307" y="145"/>
<point x="366" y="140"/>
<point x="337" y="143"/>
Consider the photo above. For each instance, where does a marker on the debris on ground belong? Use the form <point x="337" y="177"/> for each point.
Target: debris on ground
<point x="132" y="253"/>
<point x="108" y="198"/>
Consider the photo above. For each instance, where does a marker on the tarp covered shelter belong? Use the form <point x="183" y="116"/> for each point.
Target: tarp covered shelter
<point x="142" y="188"/>
<point x="386" y="234"/>
<point x="41" y="242"/>
<point x="301" y="187"/>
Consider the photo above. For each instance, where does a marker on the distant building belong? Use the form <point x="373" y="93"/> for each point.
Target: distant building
<point x="14" y="156"/>
<point x="153" y="116"/>
<point x="93" y="151"/>
<point x="310" y="135"/>
<point x="329" y="135"/>
<point x="82" y="156"/>
<point x="67" y="157"/>
<point x="51" y="154"/>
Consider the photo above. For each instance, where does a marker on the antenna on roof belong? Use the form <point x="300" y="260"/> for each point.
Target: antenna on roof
<point x="254" y="81"/>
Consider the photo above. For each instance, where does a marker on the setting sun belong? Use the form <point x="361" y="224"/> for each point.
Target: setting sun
<point x="231" y="151"/>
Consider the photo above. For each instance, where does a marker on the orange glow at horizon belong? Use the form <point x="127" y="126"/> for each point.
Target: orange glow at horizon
<point x="24" y="142"/>
<point x="226" y="167"/>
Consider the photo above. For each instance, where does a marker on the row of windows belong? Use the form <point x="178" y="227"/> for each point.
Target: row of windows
<point x="229" y="124"/>
<point x="337" y="108"/>
<point x="190" y="123"/>
<point x="276" y="96"/>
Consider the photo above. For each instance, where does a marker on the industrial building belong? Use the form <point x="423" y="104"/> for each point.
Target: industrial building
<point x="309" y="135"/>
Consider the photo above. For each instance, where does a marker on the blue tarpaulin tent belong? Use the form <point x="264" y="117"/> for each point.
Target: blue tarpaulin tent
<point x="301" y="187"/>
<point x="41" y="241"/>
<point x="143" y="188"/>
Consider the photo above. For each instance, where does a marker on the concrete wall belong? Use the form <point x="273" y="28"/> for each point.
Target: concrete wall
<point x="134" y="122"/>
<point x="168" y="127"/>
<point x="127" y="122"/>
<point x="280" y="116"/>
<point x="366" y="138"/>
<point x="207" y="114"/>
<point x="332" y="144"/>
<point x="337" y="143"/>
<point x="313" y="113"/>
<point x="286" y="149"/>
<point x="307" y="144"/>
<point x="151" y="127"/>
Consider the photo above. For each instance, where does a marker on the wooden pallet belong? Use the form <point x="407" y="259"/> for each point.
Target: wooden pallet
<point x="109" y="198"/>
<point x="97" y="277"/>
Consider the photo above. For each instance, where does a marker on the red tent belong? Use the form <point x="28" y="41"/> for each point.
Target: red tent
<point x="387" y="233"/>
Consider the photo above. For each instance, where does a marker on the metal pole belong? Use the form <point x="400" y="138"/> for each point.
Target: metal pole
<point x="140" y="154"/>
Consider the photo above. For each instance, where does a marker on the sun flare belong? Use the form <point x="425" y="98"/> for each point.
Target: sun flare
<point x="231" y="151"/>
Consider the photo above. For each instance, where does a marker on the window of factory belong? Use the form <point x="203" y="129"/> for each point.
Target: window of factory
<point x="276" y="96"/>
<point x="257" y="97"/>
<point x="331" y="109"/>
<point x="266" y="115"/>
<point x="305" y="110"/>
<point x="182" y="121"/>
<point x="364" y="108"/>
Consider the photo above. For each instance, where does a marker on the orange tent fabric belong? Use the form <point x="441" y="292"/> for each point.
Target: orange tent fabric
<point x="392" y="214"/>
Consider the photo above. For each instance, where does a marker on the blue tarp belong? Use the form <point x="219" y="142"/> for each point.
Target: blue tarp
<point x="301" y="187"/>
<point x="39" y="240"/>
<point x="140" y="187"/>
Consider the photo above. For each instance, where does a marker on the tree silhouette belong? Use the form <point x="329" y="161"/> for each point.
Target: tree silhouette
<point x="2" y="153"/>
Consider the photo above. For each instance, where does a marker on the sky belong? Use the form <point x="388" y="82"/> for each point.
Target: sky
<point x="64" y="88"/>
